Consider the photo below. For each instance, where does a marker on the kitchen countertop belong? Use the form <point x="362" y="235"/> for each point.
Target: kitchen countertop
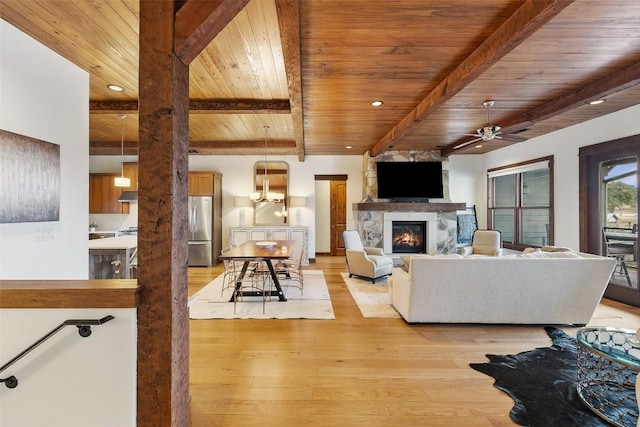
<point x="121" y="242"/>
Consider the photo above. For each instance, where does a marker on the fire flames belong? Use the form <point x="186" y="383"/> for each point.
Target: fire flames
<point x="406" y="239"/>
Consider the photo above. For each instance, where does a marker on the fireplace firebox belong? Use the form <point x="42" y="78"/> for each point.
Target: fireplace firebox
<point x="408" y="237"/>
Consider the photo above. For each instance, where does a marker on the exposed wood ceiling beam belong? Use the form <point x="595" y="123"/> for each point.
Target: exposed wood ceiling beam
<point x="114" y="148"/>
<point x="106" y="148"/>
<point x="212" y="145"/>
<point x="525" y="21"/>
<point x="198" y="22"/>
<point x="206" y="106"/>
<point x="289" y="22"/>
<point x="606" y="85"/>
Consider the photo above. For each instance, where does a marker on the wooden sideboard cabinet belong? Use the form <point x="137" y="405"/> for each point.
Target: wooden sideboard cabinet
<point x="239" y="235"/>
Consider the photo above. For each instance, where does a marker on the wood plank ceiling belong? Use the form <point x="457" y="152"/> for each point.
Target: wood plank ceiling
<point x="310" y="69"/>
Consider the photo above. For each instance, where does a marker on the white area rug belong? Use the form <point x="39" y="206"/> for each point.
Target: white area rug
<point x="314" y="303"/>
<point x="372" y="299"/>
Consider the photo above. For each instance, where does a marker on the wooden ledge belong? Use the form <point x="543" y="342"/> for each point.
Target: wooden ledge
<point x="409" y="207"/>
<point x="69" y="294"/>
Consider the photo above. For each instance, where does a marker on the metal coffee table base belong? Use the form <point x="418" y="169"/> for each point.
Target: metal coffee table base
<point x="607" y="374"/>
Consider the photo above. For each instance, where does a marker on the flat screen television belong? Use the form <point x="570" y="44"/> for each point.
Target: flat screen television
<point x="410" y="181"/>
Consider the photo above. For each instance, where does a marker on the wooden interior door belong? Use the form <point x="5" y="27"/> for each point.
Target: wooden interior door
<point x="338" y="191"/>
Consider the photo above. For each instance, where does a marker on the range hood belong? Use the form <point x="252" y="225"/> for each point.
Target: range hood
<point x="128" y="196"/>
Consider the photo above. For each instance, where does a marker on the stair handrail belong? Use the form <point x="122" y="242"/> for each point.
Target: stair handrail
<point x="84" y="329"/>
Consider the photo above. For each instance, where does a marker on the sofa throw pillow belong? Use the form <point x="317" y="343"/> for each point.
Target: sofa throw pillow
<point x="562" y="255"/>
<point x="540" y="254"/>
<point x="555" y="249"/>
<point x="531" y="250"/>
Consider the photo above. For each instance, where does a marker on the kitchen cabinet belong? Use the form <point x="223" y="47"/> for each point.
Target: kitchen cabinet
<point x="103" y="194"/>
<point x="201" y="183"/>
<point x="130" y="170"/>
<point x="239" y="235"/>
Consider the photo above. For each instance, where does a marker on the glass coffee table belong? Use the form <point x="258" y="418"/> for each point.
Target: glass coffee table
<point x="608" y="364"/>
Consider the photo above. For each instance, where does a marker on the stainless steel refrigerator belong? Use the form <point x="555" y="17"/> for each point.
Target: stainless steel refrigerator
<point x="200" y="231"/>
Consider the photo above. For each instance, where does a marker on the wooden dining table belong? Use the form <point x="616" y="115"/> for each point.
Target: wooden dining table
<point x="250" y="251"/>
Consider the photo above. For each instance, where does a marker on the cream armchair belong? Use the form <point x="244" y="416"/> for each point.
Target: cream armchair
<point x="485" y="242"/>
<point x="365" y="262"/>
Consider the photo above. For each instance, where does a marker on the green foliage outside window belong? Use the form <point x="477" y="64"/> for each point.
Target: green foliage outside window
<point x="620" y="195"/>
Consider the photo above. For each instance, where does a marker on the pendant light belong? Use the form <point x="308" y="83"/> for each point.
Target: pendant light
<point x="122" y="181"/>
<point x="266" y="195"/>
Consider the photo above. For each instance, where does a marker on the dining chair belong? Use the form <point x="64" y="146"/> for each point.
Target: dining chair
<point x="621" y="250"/>
<point x="230" y="271"/>
<point x="289" y="271"/>
<point x="257" y="280"/>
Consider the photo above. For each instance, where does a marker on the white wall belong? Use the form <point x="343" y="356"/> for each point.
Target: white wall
<point x="69" y="381"/>
<point x="237" y="180"/>
<point x="44" y="96"/>
<point x="564" y="145"/>
<point x="465" y="186"/>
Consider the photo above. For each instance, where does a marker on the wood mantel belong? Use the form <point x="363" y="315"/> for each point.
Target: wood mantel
<point x="68" y="294"/>
<point x="408" y="207"/>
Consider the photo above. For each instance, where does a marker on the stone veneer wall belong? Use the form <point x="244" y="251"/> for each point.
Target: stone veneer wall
<point x="371" y="223"/>
<point x="370" y="178"/>
<point x="371" y="228"/>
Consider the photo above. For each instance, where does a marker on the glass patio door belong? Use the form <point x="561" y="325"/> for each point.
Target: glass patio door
<point x="619" y="217"/>
<point x="609" y="211"/>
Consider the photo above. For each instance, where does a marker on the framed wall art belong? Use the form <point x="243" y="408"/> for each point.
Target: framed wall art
<point x="29" y="179"/>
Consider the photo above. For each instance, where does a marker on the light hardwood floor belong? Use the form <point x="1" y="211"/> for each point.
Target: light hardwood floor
<point x="353" y="371"/>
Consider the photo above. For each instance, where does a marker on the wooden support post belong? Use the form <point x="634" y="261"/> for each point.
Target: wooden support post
<point x="163" y="321"/>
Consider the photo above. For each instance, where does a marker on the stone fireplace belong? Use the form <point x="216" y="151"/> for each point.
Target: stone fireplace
<point x="374" y="221"/>
<point x="374" y="217"/>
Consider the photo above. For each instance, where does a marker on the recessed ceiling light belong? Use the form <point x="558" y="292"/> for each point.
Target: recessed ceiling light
<point x="348" y="147"/>
<point x="116" y="88"/>
<point x="376" y="103"/>
<point x="479" y="146"/>
<point x="596" y="102"/>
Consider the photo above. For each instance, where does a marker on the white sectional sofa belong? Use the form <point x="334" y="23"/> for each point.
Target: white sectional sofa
<point x="554" y="288"/>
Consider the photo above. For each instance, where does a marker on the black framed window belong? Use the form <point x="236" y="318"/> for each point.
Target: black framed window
<point x="520" y="203"/>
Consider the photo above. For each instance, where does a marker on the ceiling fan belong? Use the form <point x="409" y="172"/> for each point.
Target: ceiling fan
<point x="489" y="131"/>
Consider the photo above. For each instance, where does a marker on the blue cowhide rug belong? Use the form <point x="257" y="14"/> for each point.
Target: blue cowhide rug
<point x="542" y="383"/>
